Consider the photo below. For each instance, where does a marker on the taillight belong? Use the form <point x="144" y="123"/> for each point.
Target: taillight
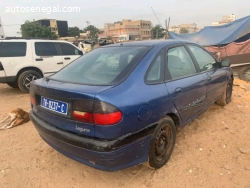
<point x="107" y="119"/>
<point x="96" y="112"/>
<point x="86" y="117"/>
<point x="33" y="100"/>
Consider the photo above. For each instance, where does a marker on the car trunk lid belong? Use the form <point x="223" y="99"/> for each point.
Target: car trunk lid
<point x="54" y="103"/>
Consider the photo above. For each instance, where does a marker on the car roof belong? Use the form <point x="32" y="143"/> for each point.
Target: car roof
<point x="35" y="40"/>
<point x="16" y="40"/>
<point x="149" y="43"/>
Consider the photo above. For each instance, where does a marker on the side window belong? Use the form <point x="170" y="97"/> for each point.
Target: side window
<point x="68" y="49"/>
<point x="179" y="62"/>
<point x="13" y="49"/>
<point x="204" y="60"/>
<point x="155" y="73"/>
<point x="45" y="49"/>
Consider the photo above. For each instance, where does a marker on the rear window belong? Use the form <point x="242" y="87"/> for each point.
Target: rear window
<point x="13" y="49"/>
<point x="102" y="66"/>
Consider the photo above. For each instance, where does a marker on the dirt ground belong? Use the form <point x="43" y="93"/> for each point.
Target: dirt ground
<point x="213" y="151"/>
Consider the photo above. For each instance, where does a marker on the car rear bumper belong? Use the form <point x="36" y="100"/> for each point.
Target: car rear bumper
<point x="104" y="155"/>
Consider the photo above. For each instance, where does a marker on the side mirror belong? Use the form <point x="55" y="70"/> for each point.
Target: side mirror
<point x="225" y="63"/>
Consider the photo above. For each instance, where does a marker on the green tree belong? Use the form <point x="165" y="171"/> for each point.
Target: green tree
<point x="34" y="29"/>
<point x="158" y="32"/>
<point x="74" y="31"/>
<point x="93" y="32"/>
<point x="183" y="30"/>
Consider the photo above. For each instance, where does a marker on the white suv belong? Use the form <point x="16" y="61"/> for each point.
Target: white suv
<point x="24" y="60"/>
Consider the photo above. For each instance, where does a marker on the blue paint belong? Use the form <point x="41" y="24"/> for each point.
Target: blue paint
<point x="141" y="104"/>
<point x="144" y="113"/>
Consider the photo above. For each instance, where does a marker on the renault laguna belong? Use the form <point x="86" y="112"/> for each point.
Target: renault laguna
<point x="119" y="105"/>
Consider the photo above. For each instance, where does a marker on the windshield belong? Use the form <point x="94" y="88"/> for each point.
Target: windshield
<point x="103" y="66"/>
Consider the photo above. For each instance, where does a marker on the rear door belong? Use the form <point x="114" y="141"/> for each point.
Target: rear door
<point x="46" y="57"/>
<point x="215" y="77"/>
<point x="69" y="52"/>
<point x="185" y="85"/>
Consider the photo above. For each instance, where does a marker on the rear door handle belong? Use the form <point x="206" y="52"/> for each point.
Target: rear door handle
<point x="67" y="58"/>
<point x="178" y="90"/>
<point x="39" y="59"/>
<point x="60" y="63"/>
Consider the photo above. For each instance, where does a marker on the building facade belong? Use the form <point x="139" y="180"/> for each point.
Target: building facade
<point x="2" y="35"/>
<point x="57" y="26"/>
<point x="225" y="20"/>
<point x="62" y="27"/>
<point x="140" y="29"/>
<point x="192" y="28"/>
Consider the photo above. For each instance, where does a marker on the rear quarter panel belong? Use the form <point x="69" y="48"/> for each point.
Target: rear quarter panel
<point x="133" y="94"/>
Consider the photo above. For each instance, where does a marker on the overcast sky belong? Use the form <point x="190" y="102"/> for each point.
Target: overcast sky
<point x="97" y="12"/>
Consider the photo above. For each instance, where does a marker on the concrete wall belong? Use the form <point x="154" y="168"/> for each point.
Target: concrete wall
<point x="53" y="26"/>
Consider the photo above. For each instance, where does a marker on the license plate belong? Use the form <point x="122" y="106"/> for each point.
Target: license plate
<point x="53" y="105"/>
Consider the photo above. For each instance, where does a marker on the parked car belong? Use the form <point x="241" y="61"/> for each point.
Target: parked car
<point x="112" y="115"/>
<point x="23" y="60"/>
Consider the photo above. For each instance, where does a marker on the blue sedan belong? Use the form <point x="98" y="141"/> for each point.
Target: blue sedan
<point x="119" y="105"/>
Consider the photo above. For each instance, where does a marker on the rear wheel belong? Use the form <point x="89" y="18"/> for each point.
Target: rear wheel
<point x="26" y="78"/>
<point x="12" y="84"/>
<point x="162" y="143"/>
<point x="227" y="94"/>
<point x="244" y="73"/>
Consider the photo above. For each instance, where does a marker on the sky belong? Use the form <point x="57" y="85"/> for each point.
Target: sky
<point x="98" y="12"/>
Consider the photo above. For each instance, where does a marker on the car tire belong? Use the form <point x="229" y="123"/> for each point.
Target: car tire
<point x="12" y="84"/>
<point x="227" y="94"/>
<point x="26" y="78"/>
<point x="244" y="73"/>
<point x="162" y="143"/>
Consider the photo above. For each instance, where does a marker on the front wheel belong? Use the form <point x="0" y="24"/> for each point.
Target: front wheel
<point x="26" y="78"/>
<point x="162" y="143"/>
<point x="227" y="94"/>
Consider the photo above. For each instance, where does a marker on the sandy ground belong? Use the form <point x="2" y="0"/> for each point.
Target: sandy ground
<point x="212" y="151"/>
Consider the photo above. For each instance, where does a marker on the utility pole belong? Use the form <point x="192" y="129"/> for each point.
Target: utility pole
<point x="167" y="28"/>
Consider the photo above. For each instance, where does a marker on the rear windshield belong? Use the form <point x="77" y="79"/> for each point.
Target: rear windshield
<point x="102" y="66"/>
